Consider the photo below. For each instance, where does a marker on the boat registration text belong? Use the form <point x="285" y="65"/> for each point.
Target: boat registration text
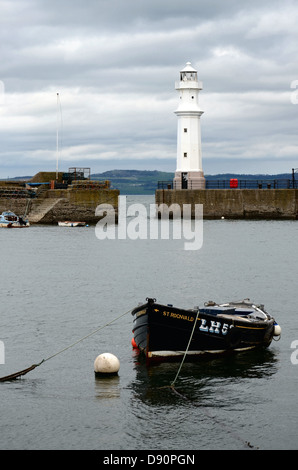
<point x="205" y="326"/>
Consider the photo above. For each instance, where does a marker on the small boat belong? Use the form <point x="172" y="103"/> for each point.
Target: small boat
<point x="164" y="332"/>
<point x="71" y="224"/>
<point x="9" y="219"/>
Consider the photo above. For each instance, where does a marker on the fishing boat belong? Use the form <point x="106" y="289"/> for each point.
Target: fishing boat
<point x="71" y="224"/>
<point x="165" y="332"/>
<point x="9" y="219"/>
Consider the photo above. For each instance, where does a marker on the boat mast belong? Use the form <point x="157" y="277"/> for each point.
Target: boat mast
<point x="57" y="133"/>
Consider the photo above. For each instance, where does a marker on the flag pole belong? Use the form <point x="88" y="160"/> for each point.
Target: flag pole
<point x="57" y="139"/>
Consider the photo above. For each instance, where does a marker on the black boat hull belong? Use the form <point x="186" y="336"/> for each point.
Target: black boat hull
<point x="163" y="332"/>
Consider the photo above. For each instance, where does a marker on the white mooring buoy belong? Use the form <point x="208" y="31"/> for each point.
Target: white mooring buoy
<point x="277" y="330"/>
<point x="106" y="364"/>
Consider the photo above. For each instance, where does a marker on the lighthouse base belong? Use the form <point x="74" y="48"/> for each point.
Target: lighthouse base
<point x="189" y="180"/>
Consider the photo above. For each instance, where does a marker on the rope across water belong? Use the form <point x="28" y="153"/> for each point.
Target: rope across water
<point x="171" y="386"/>
<point x="186" y="351"/>
<point x="25" y="371"/>
<point x="184" y="397"/>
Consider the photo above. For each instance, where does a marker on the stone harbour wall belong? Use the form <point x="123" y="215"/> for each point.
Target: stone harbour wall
<point x="79" y="205"/>
<point x="18" y="206"/>
<point x="235" y="203"/>
<point x="65" y="204"/>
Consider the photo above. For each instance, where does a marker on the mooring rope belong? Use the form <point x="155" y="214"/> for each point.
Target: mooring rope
<point x="184" y="397"/>
<point x="25" y="371"/>
<point x="171" y="386"/>
<point x="214" y="419"/>
<point x="186" y="351"/>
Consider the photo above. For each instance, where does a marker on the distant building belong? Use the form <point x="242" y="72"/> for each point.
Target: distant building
<point x="189" y="173"/>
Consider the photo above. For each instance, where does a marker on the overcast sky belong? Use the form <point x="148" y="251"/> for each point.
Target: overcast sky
<point x="114" y="64"/>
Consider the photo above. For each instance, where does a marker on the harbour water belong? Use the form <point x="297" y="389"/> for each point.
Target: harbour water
<point x="60" y="284"/>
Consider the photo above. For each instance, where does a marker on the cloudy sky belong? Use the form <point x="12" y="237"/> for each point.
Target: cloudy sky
<point x="114" y="64"/>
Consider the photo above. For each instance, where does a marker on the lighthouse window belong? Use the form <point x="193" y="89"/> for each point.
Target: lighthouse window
<point x="185" y="129"/>
<point x="185" y="154"/>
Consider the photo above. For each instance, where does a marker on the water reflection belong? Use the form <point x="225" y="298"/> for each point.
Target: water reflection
<point x="229" y="377"/>
<point x="107" y="387"/>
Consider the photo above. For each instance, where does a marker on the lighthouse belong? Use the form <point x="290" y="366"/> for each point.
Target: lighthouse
<point x="189" y="173"/>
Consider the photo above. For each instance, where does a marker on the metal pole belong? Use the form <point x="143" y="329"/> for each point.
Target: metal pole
<point x="57" y="139"/>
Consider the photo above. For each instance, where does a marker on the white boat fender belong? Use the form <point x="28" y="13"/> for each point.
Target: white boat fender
<point x="277" y="329"/>
<point x="106" y="364"/>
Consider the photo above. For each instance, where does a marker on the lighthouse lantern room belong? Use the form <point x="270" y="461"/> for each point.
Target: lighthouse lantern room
<point x="189" y="173"/>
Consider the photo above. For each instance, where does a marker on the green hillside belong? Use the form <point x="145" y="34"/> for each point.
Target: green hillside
<point x="145" y="182"/>
<point x="134" y="181"/>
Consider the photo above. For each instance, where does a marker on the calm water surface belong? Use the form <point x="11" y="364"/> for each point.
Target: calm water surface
<point x="60" y="284"/>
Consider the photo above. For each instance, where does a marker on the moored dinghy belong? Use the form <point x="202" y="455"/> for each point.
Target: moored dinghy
<point x="163" y="332"/>
<point x="9" y="219"/>
<point x="68" y="223"/>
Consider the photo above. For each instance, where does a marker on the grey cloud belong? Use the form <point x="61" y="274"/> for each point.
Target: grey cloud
<point x="115" y="64"/>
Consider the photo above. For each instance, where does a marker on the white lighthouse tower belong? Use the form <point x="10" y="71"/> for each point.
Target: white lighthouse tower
<point x="189" y="173"/>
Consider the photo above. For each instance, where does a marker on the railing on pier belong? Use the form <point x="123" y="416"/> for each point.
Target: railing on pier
<point x="250" y="184"/>
<point x="241" y="184"/>
<point x="165" y="185"/>
<point x="294" y="180"/>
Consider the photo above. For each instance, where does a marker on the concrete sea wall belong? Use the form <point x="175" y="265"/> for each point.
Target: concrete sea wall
<point x="17" y="206"/>
<point x="61" y="204"/>
<point x="235" y="203"/>
<point x="80" y="204"/>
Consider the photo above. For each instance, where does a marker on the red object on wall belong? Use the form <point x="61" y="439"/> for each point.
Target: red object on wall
<point x="233" y="183"/>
